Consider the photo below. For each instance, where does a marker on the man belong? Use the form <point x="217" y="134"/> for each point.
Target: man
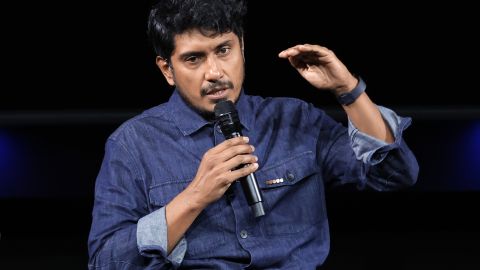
<point x="161" y="199"/>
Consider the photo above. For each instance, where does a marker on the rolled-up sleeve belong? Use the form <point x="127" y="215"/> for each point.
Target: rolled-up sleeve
<point x="372" y="150"/>
<point x="152" y="238"/>
<point x="388" y="166"/>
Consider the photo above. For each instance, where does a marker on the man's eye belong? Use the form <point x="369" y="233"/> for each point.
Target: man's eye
<point x="191" y="59"/>
<point x="224" y="50"/>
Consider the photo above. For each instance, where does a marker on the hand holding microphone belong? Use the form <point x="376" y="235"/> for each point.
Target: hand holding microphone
<point x="217" y="171"/>
<point x="227" y="117"/>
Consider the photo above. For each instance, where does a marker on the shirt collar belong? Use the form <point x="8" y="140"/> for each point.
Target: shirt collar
<point x="189" y="121"/>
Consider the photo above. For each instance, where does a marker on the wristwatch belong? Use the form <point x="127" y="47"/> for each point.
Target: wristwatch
<point x="348" y="98"/>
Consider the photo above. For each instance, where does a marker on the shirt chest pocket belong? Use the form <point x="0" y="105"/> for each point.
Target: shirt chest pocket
<point x="160" y="194"/>
<point x="293" y="194"/>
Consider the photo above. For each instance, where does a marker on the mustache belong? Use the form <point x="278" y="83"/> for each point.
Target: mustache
<point x="218" y="85"/>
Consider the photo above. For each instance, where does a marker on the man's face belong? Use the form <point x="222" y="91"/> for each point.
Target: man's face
<point x="205" y="69"/>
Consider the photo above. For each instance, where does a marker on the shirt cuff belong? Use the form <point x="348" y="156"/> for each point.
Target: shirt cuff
<point x="372" y="150"/>
<point x="152" y="238"/>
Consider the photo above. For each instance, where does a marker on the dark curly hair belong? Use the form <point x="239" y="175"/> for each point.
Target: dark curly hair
<point x="212" y="17"/>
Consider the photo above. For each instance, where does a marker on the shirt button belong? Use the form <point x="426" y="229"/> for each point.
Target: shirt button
<point x="243" y="234"/>
<point x="290" y="176"/>
<point x="219" y="129"/>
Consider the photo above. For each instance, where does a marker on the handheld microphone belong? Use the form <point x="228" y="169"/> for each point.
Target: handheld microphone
<point x="227" y="117"/>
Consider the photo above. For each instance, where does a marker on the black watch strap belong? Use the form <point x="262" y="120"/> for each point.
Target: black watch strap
<point x="350" y="97"/>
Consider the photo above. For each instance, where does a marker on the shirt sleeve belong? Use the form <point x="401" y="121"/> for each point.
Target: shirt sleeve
<point x="348" y="156"/>
<point x="370" y="149"/>
<point x="152" y="237"/>
<point x="120" y="202"/>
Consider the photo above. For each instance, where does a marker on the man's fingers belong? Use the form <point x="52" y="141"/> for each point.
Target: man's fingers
<point x="222" y="153"/>
<point x="229" y="144"/>
<point x="238" y="161"/>
<point x="242" y="172"/>
<point x="298" y="49"/>
<point x="288" y="52"/>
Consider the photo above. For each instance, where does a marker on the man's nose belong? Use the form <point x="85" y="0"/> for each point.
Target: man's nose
<point x="214" y="71"/>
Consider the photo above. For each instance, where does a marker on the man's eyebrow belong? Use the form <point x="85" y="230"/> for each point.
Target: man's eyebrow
<point x="191" y="53"/>
<point x="201" y="53"/>
<point x="226" y="42"/>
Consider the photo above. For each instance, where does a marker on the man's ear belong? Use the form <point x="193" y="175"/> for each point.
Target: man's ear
<point x="243" y="48"/>
<point x="166" y="69"/>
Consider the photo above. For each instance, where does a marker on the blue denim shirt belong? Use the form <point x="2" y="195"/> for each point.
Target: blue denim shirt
<point x="154" y="156"/>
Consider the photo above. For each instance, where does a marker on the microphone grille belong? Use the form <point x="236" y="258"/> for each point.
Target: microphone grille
<point x="223" y="107"/>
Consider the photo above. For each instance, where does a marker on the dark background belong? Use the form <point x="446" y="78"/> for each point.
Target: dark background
<point x="73" y="72"/>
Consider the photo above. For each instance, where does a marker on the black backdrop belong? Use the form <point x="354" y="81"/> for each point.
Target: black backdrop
<point x="94" y="54"/>
<point x="72" y="72"/>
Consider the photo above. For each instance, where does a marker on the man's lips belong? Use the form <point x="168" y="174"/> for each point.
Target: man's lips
<point x="215" y="91"/>
<point x="216" y="88"/>
<point x="216" y="94"/>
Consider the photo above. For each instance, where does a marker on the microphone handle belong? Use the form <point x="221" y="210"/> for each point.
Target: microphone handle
<point x="252" y="192"/>
<point x="250" y="189"/>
